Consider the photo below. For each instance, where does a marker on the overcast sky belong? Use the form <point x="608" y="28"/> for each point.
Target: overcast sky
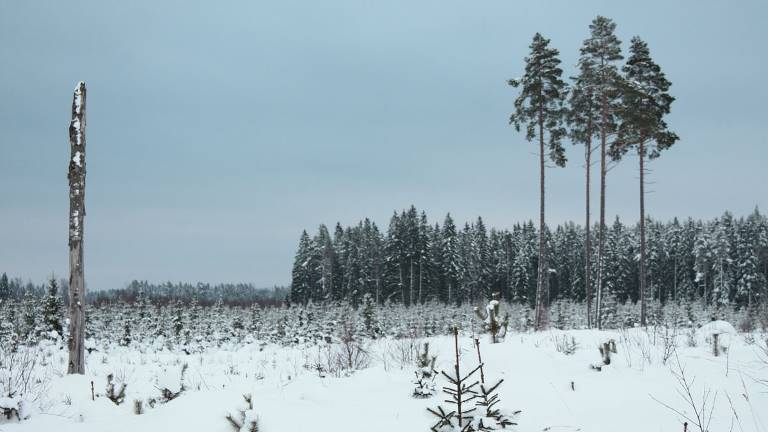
<point x="217" y="131"/>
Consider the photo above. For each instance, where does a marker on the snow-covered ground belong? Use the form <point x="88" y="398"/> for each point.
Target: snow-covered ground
<point x="293" y="390"/>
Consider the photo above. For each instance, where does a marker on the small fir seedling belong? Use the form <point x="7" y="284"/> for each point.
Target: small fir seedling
<point x="425" y="374"/>
<point x="460" y="394"/>
<point x="491" y="417"/>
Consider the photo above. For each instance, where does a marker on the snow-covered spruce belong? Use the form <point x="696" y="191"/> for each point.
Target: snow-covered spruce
<point x="245" y="418"/>
<point x="495" y="326"/>
<point x="476" y="404"/>
<point x="425" y="374"/>
<point x="116" y="396"/>
<point x="490" y="417"/>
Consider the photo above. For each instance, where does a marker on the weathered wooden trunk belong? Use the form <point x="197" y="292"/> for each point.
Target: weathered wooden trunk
<point x="76" y="217"/>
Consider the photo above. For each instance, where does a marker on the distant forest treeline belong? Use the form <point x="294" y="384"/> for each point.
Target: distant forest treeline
<point x="204" y="294"/>
<point x="718" y="262"/>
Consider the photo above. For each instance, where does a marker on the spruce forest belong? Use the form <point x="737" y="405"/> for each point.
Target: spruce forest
<point x="719" y="263"/>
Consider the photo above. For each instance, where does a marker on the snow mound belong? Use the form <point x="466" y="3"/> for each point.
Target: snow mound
<point x="723" y="329"/>
<point x="717" y="327"/>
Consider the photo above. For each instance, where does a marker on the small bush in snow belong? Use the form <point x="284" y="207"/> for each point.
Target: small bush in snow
<point x="606" y="349"/>
<point x="690" y="337"/>
<point x="12" y="407"/>
<point x="566" y="345"/>
<point x="352" y="352"/>
<point x="20" y="379"/>
<point x="669" y="344"/>
<point x="118" y="396"/>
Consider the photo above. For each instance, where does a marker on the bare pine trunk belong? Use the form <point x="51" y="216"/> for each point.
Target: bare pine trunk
<point x="601" y="230"/>
<point x="542" y="278"/>
<point x="642" y="234"/>
<point x="588" y="239"/>
<point x="76" y="218"/>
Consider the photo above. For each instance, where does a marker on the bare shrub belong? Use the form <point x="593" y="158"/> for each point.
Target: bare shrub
<point x="402" y="352"/>
<point x="352" y="353"/>
<point x="21" y="379"/>
<point x="669" y="344"/>
<point x="645" y="347"/>
<point x="690" y="337"/>
<point x="697" y="410"/>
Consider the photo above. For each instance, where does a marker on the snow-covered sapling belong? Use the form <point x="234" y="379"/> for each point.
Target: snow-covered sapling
<point x="368" y="313"/>
<point x="491" y="417"/>
<point x="425" y="374"/>
<point x="246" y="419"/>
<point x="490" y="317"/>
<point x="460" y="394"/>
<point x="606" y="349"/>
<point x="118" y="396"/>
<point x="168" y="394"/>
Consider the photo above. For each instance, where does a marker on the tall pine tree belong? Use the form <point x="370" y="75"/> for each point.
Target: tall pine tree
<point x="599" y="55"/>
<point x="540" y="108"/>
<point x="646" y="102"/>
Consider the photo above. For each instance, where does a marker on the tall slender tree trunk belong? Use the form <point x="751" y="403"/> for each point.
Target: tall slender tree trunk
<point x="588" y="239"/>
<point x="643" y="307"/>
<point x="421" y="279"/>
<point x="541" y="283"/>
<point x="601" y="230"/>
<point x="411" y="282"/>
<point x="403" y="296"/>
<point x="76" y="176"/>
<point x="674" y="285"/>
<point x="706" y="296"/>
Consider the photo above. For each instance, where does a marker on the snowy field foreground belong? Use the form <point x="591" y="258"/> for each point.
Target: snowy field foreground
<point x="299" y="389"/>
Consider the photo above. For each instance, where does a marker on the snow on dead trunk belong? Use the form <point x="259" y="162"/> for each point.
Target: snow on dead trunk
<point x="76" y="178"/>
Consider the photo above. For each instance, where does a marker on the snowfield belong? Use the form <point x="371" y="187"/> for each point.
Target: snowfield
<point x="293" y="389"/>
